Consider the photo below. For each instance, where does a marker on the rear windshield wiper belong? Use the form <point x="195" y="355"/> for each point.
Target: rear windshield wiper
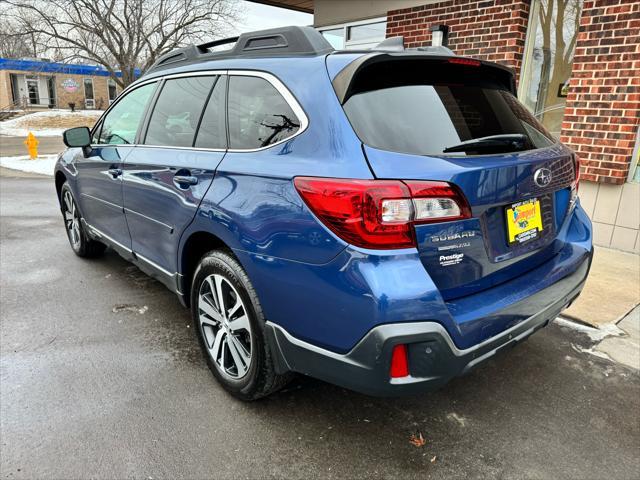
<point x="505" y="142"/>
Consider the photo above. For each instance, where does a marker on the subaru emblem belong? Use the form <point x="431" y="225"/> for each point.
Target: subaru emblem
<point x="542" y="177"/>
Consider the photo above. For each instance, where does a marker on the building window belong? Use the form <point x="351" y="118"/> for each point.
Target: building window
<point x="356" y="35"/>
<point x="335" y="37"/>
<point x="113" y="91"/>
<point x="51" y="91"/>
<point x="89" y="101"/>
<point x="551" y="38"/>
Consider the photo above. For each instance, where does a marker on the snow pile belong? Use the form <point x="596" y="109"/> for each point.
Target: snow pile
<point x="43" y="164"/>
<point x="48" y="123"/>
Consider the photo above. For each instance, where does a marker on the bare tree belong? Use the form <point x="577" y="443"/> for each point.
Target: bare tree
<point x="121" y="34"/>
<point x="15" y="42"/>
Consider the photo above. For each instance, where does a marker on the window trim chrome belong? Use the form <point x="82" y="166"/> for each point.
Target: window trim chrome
<point x="274" y="81"/>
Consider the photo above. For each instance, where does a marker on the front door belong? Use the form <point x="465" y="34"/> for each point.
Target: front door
<point x="166" y="178"/>
<point x="33" y="92"/>
<point x="100" y="172"/>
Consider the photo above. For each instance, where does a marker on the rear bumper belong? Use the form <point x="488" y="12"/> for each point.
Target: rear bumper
<point x="433" y="356"/>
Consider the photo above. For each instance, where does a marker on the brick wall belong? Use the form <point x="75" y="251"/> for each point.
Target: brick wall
<point x="603" y="104"/>
<point x="490" y="30"/>
<point x="100" y="92"/>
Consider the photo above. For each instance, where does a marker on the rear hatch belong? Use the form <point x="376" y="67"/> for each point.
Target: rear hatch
<point x="457" y="120"/>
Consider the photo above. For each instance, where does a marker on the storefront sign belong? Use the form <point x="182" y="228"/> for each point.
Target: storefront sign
<point x="70" y="85"/>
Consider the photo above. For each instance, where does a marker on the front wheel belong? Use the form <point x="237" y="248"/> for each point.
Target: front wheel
<point x="80" y="242"/>
<point x="230" y="328"/>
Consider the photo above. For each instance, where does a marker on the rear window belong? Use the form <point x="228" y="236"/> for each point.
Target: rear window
<point x="431" y="108"/>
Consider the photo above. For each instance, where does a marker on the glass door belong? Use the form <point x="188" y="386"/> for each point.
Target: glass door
<point x="551" y="39"/>
<point x="32" y="91"/>
<point x="88" y="93"/>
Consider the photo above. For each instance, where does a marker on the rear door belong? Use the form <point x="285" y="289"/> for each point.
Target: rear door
<point x="166" y="177"/>
<point x="458" y="121"/>
<point x="100" y="172"/>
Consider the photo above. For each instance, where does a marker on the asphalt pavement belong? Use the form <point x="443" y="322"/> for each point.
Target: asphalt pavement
<point x="101" y="377"/>
<point x="12" y="146"/>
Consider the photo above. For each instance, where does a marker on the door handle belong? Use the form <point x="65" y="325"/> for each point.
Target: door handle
<point x="185" y="180"/>
<point x="115" y="172"/>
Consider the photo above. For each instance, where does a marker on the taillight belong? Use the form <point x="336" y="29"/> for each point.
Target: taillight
<point x="380" y="214"/>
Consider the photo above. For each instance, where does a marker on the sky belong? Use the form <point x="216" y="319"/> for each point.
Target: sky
<point x="262" y="17"/>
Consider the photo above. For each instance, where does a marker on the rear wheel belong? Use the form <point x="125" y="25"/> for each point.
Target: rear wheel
<point x="80" y="242"/>
<point x="230" y="328"/>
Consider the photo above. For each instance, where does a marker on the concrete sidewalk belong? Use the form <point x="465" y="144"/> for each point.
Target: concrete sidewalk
<point x="624" y="348"/>
<point x="609" y="302"/>
<point x="612" y="289"/>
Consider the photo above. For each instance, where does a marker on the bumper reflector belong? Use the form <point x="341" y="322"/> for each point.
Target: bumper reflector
<point x="399" y="363"/>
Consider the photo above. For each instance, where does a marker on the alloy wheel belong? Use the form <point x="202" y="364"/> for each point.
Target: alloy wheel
<point x="71" y="219"/>
<point x="225" y="326"/>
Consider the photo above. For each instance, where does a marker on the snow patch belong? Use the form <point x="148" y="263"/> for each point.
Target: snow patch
<point x="591" y="351"/>
<point x="43" y="164"/>
<point x="595" y="334"/>
<point x="19" y="126"/>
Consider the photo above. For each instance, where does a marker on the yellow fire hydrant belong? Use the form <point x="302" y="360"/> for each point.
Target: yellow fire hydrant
<point x="32" y="145"/>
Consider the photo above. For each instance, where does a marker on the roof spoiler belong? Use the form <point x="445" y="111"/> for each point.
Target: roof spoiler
<point x="343" y="81"/>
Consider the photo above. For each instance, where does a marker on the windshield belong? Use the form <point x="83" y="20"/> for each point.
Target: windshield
<point x="407" y="109"/>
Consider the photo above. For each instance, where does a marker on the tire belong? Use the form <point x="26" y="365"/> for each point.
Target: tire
<point x="234" y="347"/>
<point x="81" y="244"/>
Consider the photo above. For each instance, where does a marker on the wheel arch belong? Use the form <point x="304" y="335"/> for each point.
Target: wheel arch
<point x="60" y="178"/>
<point x="194" y="247"/>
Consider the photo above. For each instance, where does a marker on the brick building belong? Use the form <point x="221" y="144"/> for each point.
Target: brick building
<point x="40" y="84"/>
<point x="578" y="70"/>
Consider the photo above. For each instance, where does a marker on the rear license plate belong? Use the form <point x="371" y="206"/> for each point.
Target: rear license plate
<point x="524" y="221"/>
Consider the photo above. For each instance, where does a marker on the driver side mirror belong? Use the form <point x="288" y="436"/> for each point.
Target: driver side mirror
<point x="77" y="137"/>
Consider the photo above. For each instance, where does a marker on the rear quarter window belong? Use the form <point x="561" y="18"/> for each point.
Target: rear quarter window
<point x="259" y="115"/>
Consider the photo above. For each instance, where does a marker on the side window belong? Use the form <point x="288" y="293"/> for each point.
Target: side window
<point x="258" y="115"/>
<point x="121" y="123"/>
<point x="212" y="132"/>
<point x="177" y="112"/>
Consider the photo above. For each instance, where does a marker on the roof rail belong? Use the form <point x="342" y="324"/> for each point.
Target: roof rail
<point x="276" y="42"/>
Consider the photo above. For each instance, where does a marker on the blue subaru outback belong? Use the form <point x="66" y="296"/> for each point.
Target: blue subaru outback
<point x="383" y="220"/>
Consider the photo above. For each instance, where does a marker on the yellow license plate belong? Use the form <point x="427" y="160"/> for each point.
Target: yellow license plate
<point x="524" y="221"/>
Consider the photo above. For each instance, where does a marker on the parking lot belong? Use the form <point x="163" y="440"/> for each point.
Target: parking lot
<point x="101" y="376"/>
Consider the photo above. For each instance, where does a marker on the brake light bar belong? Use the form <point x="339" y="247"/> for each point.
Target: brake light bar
<point x="465" y="61"/>
<point x="380" y="214"/>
